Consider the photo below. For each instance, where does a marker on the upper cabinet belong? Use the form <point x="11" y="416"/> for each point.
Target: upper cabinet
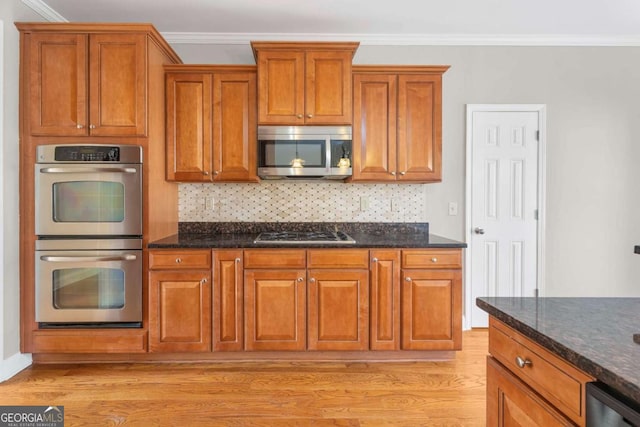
<point x="397" y="123"/>
<point x="211" y="123"/>
<point x="304" y="83"/>
<point x="83" y="84"/>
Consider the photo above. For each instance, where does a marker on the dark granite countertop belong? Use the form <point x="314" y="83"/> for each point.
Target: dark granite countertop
<point x="366" y="235"/>
<point x="594" y="334"/>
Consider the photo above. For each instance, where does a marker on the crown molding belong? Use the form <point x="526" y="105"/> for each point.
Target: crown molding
<point x="407" y="39"/>
<point x="44" y="10"/>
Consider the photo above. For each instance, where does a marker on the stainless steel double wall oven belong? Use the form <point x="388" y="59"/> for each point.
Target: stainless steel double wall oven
<point x="88" y="218"/>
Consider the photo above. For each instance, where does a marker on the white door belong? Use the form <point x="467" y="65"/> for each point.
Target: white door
<point x="503" y="209"/>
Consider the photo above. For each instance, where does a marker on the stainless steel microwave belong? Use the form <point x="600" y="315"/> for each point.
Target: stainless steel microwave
<point x="304" y="152"/>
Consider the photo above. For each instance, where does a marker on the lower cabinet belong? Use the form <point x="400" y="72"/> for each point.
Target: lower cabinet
<point x="305" y="299"/>
<point x="180" y="301"/>
<point x="529" y="386"/>
<point x="510" y="402"/>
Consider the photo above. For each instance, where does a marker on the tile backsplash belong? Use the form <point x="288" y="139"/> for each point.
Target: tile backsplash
<point x="302" y="202"/>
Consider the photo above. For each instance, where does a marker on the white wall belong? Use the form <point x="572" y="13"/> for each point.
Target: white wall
<point x="592" y="97"/>
<point x="11" y="360"/>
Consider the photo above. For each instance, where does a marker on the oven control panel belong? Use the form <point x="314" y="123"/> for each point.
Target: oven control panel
<point x="71" y="153"/>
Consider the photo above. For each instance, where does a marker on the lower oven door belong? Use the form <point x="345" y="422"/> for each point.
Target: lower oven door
<point x="88" y="285"/>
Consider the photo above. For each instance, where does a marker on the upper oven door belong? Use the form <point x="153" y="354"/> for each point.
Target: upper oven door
<point x="88" y="199"/>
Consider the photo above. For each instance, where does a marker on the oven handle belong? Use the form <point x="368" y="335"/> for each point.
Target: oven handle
<point x="88" y="170"/>
<point x="50" y="258"/>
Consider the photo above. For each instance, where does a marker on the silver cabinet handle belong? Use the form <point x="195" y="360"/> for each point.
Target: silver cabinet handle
<point x="92" y="126"/>
<point x="393" y="173"/>
<point x="203" y="281"/>
<point x="299" y="116"/>
<point x="237" y="260"/>
<point x="205" y="173"/>
<point x="216" y="172"/>
<point x="523" y="362"/>
<point x="79" y="126"/>
<point x="88" y="170"/>
<point x="403" y="173"/>
<point x="434" y="259"/>
<point x="50" y="258"/>
<point x="178" y="260"/>
<point x="407" y="279"/>
<point x="300" y="279"/>
<point x="312" y="280"/>
<point x="310" y="116"/>
<point x="374" y="259"/>
<point x="478" y="230"/>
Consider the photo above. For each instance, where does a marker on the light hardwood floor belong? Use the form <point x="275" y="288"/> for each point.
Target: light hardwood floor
<point x="403" y="394"/>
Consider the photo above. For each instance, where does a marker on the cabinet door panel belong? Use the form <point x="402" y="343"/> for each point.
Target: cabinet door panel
<point x="374" y="127"/>
<point x="275" y="312"/>
<point x="189" y="141"/>
<point x="180" y="311"/>
<point x="431" y="310"/>
<point x="58" y="84"/>
<point x="281" y="87"/>
<point x="234" y="127"/>
<point x="385" y="300"/>
<point x="117" y="86"/>
<point x="227" y="300"/>
<point x="328" y="93"/>
<point x="419" y="118"/>
<point x="338" y="310"/>
<point x="510" y="402"/>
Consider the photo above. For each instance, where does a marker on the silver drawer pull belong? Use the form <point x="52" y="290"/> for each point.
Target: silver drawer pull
<point x="178" y="260"/>
<point x="523" y="362"/>
<point x="434" y="259"/>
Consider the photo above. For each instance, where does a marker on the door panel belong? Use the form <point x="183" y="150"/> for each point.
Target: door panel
<point x="385" y="300"/>
<point x="281" y="87"/>
<point x="338" y="310"/>
<point x="504" y="201"/>
<point x="374" y="127"/>
<point x="328" y="96"/>
<point x="118" y="84"/>
<point x="228" y="313"/>
<point x="275" y="309"/>
<point x="58" y="84"/>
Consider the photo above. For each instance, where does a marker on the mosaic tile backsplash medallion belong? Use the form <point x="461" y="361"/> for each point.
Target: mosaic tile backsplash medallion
<point x="302" y="202"/>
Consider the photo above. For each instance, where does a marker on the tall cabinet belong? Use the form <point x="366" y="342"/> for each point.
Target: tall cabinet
<point x="92" y="84"/>
<point x="397" y="123"/>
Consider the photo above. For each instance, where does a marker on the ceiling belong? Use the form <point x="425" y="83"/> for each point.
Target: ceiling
<point x="529" y="22"/>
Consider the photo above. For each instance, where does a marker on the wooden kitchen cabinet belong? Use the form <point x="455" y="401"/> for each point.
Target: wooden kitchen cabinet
<point x="304" y="83"/>
<point x="228" y="298"/>
<point x="397" y="123"/>
<point x="180" y="301"/>
<point x="431" y="300"/>
<point x="510" y="402"/>
<point x="211" y="123"/>
<point x="84" y="84"/>
<point x="526" y="380"/>
<point x="385" y="300"/>
<point x="338" y="308"/>
<point x="275" y="292"/>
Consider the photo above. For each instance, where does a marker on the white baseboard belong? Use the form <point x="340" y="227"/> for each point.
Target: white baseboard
<point x="14" y="364"/>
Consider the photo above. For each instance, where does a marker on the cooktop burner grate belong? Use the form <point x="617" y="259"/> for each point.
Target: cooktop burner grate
<point x="304" y="237"/>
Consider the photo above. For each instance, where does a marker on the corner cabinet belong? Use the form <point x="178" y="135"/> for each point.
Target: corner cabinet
<point x="397" y="123"/>
<point x="211" y="123"/>
<point x="84" y="84"/>
<point x="304" y="83"/>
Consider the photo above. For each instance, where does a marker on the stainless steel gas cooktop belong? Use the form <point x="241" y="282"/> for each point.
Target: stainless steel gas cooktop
<point x="305" y="238"/>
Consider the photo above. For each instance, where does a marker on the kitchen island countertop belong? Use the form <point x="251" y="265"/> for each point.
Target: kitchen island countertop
<point x="594" y="334"/>
<point x="366" y="235"/>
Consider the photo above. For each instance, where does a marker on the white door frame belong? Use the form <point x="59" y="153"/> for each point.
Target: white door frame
<point x="541" y="109"/>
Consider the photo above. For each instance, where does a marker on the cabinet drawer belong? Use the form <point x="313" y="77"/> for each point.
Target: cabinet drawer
<point x="338" y="258"/>
<point x="173" y="260"/>
<point x="432" y="258"/>
<point x="557" y="381"/>
<point x="275" y="258"/>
